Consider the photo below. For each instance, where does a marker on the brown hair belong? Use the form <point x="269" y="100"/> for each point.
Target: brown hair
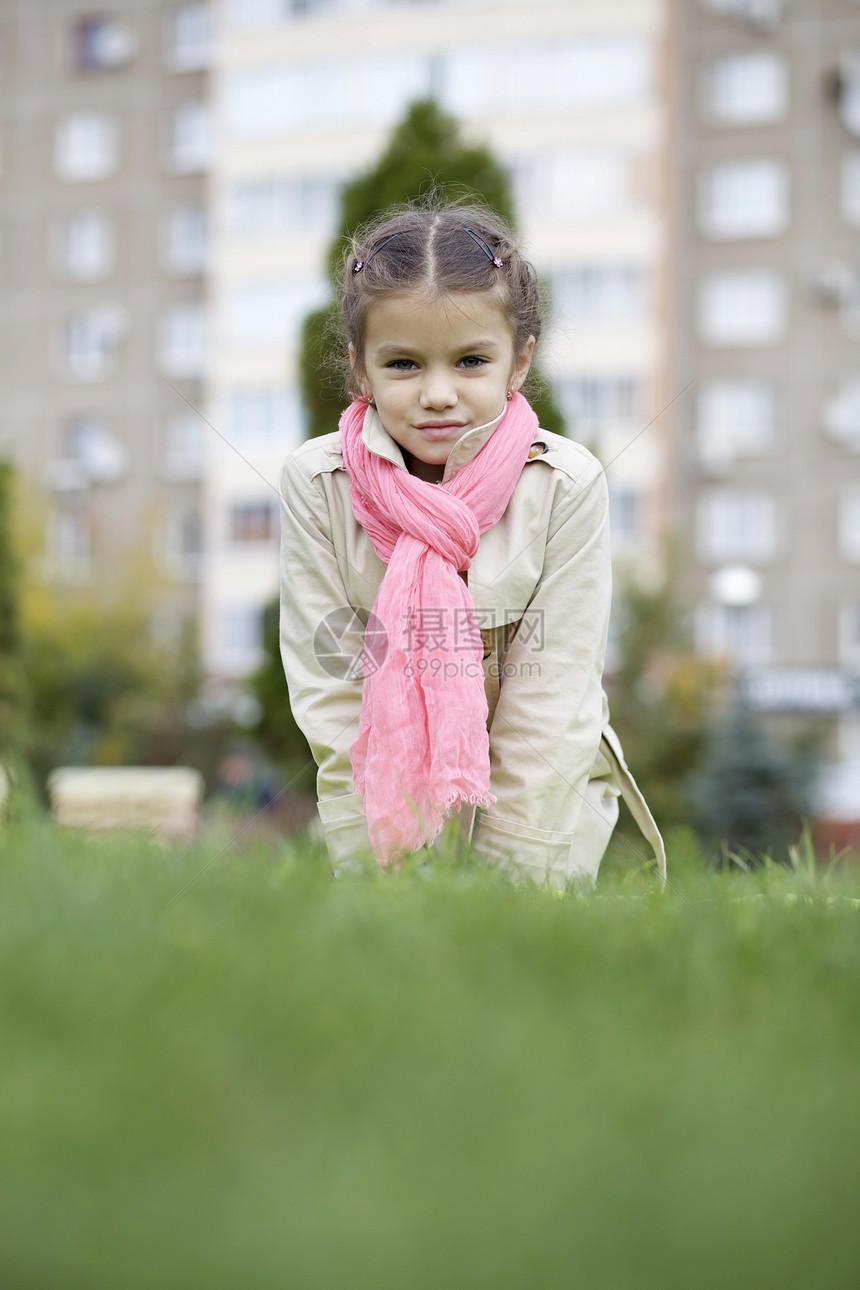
<point x="426" y="248"/>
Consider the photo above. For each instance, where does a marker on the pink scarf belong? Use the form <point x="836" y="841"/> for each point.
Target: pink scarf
<point x="422" y="747"/>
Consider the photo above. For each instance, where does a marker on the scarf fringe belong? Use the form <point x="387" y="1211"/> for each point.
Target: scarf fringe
<point x="431" y="830"/>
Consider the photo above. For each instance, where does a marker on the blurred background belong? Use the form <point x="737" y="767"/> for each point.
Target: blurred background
<point x="685" y="174"/>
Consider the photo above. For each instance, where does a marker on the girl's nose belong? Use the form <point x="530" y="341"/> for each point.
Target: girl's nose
<point x="438" y="390"/>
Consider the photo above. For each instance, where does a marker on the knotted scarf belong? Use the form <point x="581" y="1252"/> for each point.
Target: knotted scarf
<point x="423" y="749"/>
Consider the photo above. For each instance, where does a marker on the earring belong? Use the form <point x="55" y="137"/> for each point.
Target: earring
<point x="509" y="395"/>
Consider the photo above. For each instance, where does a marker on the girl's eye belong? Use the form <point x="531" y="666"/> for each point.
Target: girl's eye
<point x="472" y="361"/>
<point x="402" y="364"/>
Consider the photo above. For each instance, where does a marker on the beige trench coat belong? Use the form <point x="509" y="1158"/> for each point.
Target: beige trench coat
<point x="541" y="583"/>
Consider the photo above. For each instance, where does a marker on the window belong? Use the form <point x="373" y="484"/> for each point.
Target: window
<point x="626" y="515"/>
<point x="851" y="188"/>
<point x="85" y="246"/>
<point x="188" y="43"/>
<point x="575" y="183"/>
<point x="254" y="13"/>
<point x="189" y="138"/>
<point x="270" y="313"/>
<point x="70" y="546"/>
<point x="260" y="13"/>
<point x="744" y="199"/>
<point x="742" y="308"/>
<point x="90" y="443"/>
<point x="761" y="15"/>
<point x="375" y="91"/>
<point x="250" y="523"/>
<point x="849" y="635"/>
<point x="587" y="75"/>
<point x="849" y="312"/>
<point x="184" y="542"/>
<point x="242" y="635"/>
<point x="735" y="419"/>
<point x="276" y="204"/>
<point x="266" y="418"/>
<point x="849" y="524"/>
<point x="746" y="89"/>
<point x="849" y="91"/>
<point x="591" y="74"/>
<point x="184" y="446"/>
<point x="99" y="44"/>
<point x="600" y="294"/>
<point x="90" y="454"/>
<point x="186" y="241"/>
<point x="305" y="8"/>
<point x="183" y="342"/>
<point x="91" y="339"/>
<point x="86" y="147"/>
<point x="592" y="402"/>
<point x="842" y="415"/>
<point x="736" y="524"/>
<point x="741" y="633"/>
<point x="600" y="72"/>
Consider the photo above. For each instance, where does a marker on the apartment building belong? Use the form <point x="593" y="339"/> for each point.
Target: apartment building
<point x="104" y="149"/>
<point x="569" y="94"/>
<point x="766" y="323"/>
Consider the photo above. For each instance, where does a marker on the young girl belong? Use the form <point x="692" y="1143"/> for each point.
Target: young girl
<point x="445" y="572"/>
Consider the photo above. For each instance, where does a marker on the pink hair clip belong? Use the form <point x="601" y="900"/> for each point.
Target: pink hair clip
<point x="359" y="264"/>
<point x="485" y="247"/>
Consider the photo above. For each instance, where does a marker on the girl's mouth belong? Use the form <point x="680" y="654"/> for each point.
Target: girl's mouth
<point x="441" y="429"/>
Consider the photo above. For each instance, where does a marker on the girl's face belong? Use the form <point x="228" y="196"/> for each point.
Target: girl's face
<point x="436" y="368"/>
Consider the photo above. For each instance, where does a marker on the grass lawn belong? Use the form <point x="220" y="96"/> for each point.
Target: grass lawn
<point x="431" y="1079"/>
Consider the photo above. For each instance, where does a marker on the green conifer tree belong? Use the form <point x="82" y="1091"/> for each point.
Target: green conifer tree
<point x="425" y="152"/>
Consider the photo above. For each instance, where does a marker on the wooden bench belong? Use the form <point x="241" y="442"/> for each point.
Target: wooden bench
<point x="156" y="799"/>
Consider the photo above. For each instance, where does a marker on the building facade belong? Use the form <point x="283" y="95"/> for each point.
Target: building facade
<point x="766" y="324"/>
<point x="570" y="96"/>
<point x="104" y="151"/>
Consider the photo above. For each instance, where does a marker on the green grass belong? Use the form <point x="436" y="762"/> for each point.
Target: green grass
<point x="430" y="1079"/>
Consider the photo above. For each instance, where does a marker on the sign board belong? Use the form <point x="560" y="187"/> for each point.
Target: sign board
<point x="801" y="689"/>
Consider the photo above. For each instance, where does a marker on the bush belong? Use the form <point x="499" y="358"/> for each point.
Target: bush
<point x="276" y="730"/>
<point x="749" y="796"/>
<point x="662" y="695"/>
<point x="11" y="668"/>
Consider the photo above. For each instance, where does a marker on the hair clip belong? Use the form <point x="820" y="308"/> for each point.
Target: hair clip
<point x="485" y="247"/>
<point x="360" y="264"/>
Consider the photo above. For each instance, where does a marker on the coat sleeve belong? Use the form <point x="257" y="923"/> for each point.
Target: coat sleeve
<point x="324" y="682"/>
<point x="546" y="730"/>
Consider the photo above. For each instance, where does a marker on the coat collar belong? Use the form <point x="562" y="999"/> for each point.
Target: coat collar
<point x="377" y="439"/>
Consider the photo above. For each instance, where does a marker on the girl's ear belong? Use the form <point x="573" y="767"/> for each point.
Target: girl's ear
<point x="524" y="362"/>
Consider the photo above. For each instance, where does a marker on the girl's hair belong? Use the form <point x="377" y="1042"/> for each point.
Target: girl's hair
<point x="428" y="248"/>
